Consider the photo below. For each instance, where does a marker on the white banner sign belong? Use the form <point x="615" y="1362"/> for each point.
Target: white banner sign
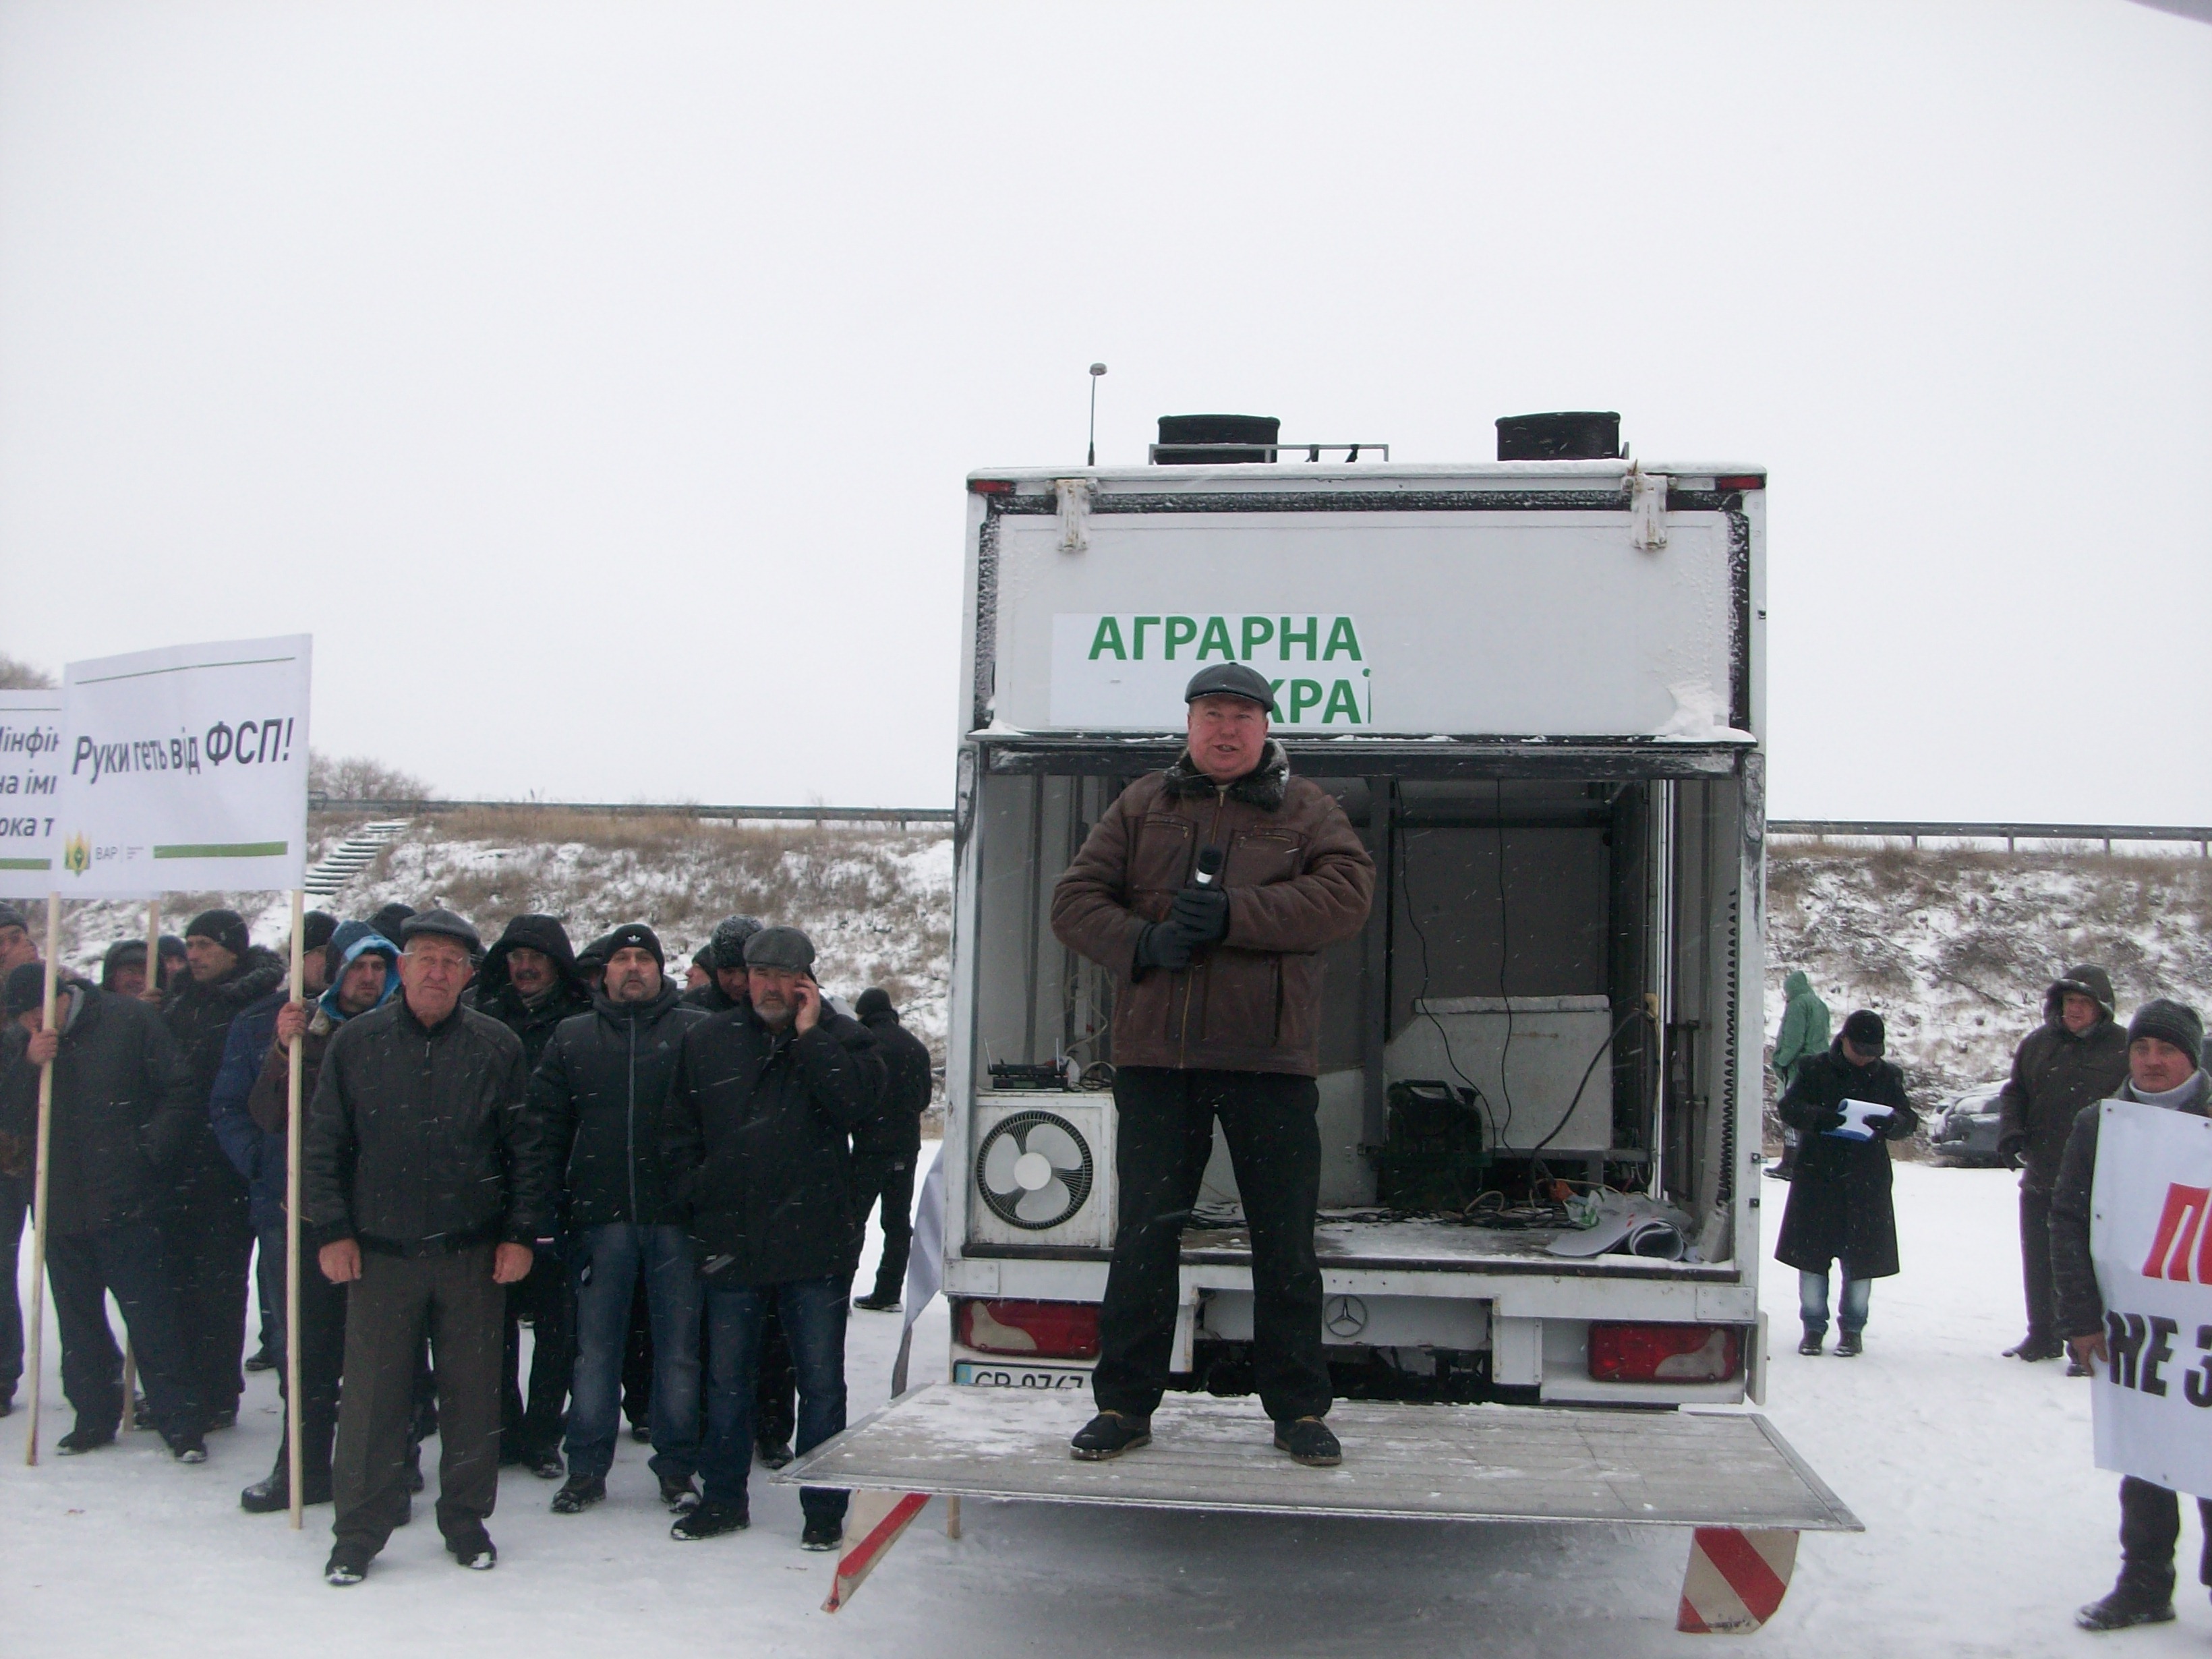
<point x="30" y="779"/>
<point x="2152" y="1246"/>
<point x="184" y="770"/>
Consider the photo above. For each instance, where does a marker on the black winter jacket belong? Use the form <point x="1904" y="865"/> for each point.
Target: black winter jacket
<point x="2073" y="1273"/>
<point x="123" y="1113"/>
<point x="595" y="1104"/>
<point x="199" y="1017"/>
<point x="1839" y="1203"/>
<point x="755" y="1145"/>
<point x="712" y="998"/>
<point x="2056" y="1073"/>
<point x="894" y="1129"/>
<point x="415" y="1135"/>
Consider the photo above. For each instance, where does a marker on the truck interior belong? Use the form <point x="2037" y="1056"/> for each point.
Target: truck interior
<point x="1537" y="1010"/>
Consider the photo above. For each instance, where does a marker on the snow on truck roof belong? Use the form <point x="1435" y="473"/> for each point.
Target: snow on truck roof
<point x="1274" y="475"/>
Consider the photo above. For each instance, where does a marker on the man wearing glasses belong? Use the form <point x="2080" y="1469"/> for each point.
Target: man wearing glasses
<point x="412" y="1143"/>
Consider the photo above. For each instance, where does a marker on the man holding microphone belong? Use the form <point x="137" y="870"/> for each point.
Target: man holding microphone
<point x="1217" y="1013"/>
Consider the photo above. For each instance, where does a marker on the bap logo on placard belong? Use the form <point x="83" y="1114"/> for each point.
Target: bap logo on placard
<point x="2182" y="1248"/>
<point x="77" y="855"/>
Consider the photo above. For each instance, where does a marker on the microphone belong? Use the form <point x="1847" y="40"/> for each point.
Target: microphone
<point x="1210" y="860"/>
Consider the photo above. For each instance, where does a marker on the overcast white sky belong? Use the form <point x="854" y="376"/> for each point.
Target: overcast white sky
<point x="596" y="381"/>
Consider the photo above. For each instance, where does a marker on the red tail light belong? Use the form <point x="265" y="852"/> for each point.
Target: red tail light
<point x="1741" y="481"/>
<point x="1050" y="1330"/>
<point x="990" y="486"/>
<point x="1665" y="1353"/>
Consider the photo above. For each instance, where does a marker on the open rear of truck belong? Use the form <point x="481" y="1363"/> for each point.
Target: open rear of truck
<point x="1536" y="687"/>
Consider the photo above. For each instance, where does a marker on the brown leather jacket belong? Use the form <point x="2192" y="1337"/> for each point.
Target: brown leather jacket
<point x="1298" y="880"/>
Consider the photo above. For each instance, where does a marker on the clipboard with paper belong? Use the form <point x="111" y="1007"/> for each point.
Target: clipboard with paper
<point x="1862" y="1121"/>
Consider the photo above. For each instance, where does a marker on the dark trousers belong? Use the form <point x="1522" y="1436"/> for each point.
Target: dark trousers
<point x="886" y="1178"/>
<point x="2150" y="1527"/>
<point x="637" y="1362"/>
<point x="610" y="1262"/>
<point x="1165" y="1136"/>
<point x="775" y="1393"/>
<point x="546" y="1300"/>
<point x="813" y="1312"/>
<point x="83" y="1268"/>
<point x="2035" y="1265"/>
<point x="390" y="1308"/>
<point x="322" y="1362"/>
<point x="14" y="1198"/>
<point x="208" y="1247"/>
<point x="268" y="1290"/>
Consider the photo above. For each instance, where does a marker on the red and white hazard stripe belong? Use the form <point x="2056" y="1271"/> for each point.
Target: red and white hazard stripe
<point x="872" y="1524"/>
<point x="1736" y="1579"/>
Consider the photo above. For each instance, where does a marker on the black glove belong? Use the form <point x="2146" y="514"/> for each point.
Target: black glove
<point x="2012" y="1144"/>
<point x="1162" y="944"/>
<point x="1200" y="915"/>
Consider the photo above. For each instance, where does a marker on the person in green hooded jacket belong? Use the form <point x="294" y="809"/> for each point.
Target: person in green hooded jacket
<point x="1804" y="1033"/>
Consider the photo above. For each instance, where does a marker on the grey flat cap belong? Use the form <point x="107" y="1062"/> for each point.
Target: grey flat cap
<point x="779" y="947"/>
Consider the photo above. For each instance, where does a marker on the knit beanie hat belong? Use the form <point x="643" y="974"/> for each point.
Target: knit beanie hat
<point x="316" y="928"/>
<point x="635" y="935"/>
<point x="875" y="1003"/>
<point x="2161" y="1017"/>
<point x="225" y="927"/>
<point x="26" y="987"/>
<point x="730" y="937"/>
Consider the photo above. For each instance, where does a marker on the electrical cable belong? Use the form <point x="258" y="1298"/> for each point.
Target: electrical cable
<point x="1505" y="946"/>
<point x="1421" y="997"/>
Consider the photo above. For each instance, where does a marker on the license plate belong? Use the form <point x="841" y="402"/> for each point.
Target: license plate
<point x="971" y="1374"/>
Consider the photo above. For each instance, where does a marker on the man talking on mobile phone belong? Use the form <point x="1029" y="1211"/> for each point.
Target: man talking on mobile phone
<point x="1210" y="890"/>
<point x="756" y="1145"/>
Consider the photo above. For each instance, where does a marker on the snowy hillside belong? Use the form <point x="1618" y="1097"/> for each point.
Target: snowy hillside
<point x="1955" y="949"/>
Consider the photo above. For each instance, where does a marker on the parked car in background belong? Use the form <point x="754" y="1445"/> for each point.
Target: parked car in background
<point x="1965" y="1132"/>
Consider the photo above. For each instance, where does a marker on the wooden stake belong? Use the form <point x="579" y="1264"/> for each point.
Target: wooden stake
<point x="37" y="1321"/>
<point x="130" y="1369"/>
<point x="952" y="1518"/>
<point x="153" y="991"/>
<point x="295" y="1462"/>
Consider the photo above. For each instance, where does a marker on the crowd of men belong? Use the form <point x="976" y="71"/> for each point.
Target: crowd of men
<point x="1840" y="1215"/>
<point x="670" y="1183"/>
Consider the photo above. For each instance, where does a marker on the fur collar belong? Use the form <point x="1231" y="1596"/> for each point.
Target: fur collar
<point x="1263" y="787"/>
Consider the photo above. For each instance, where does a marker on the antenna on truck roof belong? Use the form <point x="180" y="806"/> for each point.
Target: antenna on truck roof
<point x="1090" y="455"/>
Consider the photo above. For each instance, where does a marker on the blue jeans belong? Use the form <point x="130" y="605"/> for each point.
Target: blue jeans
<point x="1812" y="1300"/>
<point x="605" y="1262"/>
<point x="813" y="1312"/>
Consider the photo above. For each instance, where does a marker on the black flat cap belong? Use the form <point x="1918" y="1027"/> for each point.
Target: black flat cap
<point x="779" y="947"/>
<point x="1231" y="679"/>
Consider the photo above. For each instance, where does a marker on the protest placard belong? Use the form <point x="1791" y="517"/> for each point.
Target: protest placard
<point x="30" y="779"/>
<point x="2153" y="1399"/>
<point x="184" y="770"/>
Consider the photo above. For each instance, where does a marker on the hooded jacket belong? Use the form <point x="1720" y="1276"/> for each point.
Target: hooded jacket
<point x="755" y="1144"/>
<point x="894" y="1128"/>
<point x="2073" y="1273"/>
<point x="416" y="1134"/>
<point x="494" y="994"/>
<point x="596" y="1101"/>
<point x="1804" y="1028"/>
<point x="1839" y="1202"/>
<point x="1298" y="880"/>
<point x="2056" y="1073"/>
<point x="124" y="1112"/>
<point x="199" y="1016"/>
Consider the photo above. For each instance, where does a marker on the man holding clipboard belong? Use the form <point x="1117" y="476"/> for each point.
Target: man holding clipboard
<point x="1849" y="1105"/>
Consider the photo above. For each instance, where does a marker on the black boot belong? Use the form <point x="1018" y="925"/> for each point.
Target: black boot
<point x="2127" y="1604"/>
<point x="1816" y="1337"/>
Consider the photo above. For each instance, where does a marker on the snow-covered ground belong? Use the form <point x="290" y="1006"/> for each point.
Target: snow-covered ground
<point x="1986" y="1525"/>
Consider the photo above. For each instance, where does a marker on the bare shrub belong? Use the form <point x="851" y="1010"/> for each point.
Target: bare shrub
<point x="16" y="674"/>
<point x="360" y="777"/>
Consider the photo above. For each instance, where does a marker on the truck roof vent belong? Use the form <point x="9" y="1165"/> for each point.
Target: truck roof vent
<point x="1215" y="440"/>
<point x="1574" y="436"/>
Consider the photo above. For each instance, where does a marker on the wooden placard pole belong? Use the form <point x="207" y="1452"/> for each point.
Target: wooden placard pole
<point x="295" y="1462"/>
<point x="36" y="1321"/>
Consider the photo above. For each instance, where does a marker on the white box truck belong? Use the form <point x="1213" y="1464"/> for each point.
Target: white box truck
<point x="1536" y="687"/>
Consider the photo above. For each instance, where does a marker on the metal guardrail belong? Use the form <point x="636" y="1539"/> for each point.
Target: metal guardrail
<point x="1819" y="828"/>
<point x="2009" y="834"/>
<point x="900" y="816"/>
